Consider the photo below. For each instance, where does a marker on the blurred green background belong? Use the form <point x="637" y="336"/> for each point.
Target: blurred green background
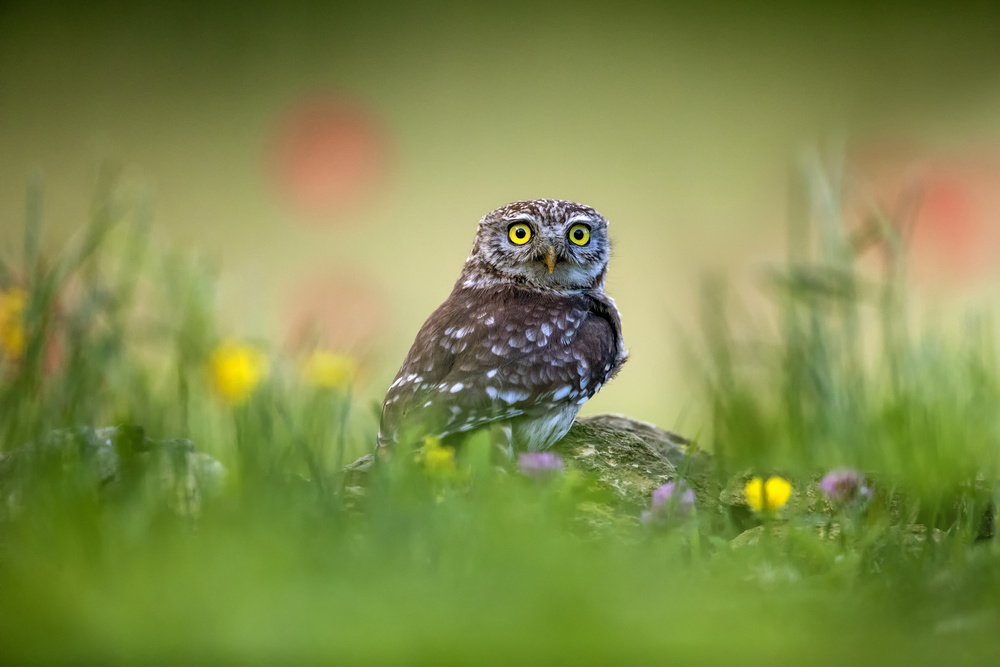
<point x="333" y="160"/>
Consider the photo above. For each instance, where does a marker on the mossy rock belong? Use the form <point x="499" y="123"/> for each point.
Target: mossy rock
<point x="625" y="459"/>
<point x="630" y="459"/>
<point x="110" y="462"/>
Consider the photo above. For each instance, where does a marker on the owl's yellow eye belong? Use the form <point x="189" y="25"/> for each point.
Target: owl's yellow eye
<point x="519" y="233"/>
<point x="579" y="234"/>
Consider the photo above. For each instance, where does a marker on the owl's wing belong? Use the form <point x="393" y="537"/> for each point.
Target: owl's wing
<point x="485" y="356"/>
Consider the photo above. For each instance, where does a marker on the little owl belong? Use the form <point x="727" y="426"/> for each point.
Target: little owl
<point x="526" y="337"/>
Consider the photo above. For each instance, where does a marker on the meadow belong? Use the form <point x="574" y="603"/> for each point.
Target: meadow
<point x="143" y="550"/>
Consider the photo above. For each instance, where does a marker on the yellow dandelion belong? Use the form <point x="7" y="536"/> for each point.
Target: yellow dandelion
<point x="437" y="459"/>
<point x="329" y="370"/>
<point x="776" y="490"/>
<point x="12" y="337"/>
<point x="236" y="369"/>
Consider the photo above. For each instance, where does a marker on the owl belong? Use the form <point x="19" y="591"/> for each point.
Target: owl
<point x="526" y="337"/>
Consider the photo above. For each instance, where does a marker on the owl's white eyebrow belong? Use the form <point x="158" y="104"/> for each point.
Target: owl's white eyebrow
<point x="579" y="218"/>
<point x="522" y="218"/>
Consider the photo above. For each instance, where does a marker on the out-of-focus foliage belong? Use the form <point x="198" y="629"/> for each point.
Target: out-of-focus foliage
<point x="455" y="556"/>
<point x="333" y="159"/>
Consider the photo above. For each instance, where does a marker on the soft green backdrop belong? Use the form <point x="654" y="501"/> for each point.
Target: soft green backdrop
<point x="679" y="122"/>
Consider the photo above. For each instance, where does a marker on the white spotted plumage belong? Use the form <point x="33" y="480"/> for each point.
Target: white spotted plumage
<point x="525" y="338"/>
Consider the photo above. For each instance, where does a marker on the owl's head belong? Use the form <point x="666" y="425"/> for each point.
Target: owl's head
<point x="545" y="243"/>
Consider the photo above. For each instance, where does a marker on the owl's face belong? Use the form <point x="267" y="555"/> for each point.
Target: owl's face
<point x="547" y="243"/>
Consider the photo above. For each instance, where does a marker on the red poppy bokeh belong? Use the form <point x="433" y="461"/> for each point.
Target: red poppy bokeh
<point x="328" y="156"/>
<point x="947" y="208"/>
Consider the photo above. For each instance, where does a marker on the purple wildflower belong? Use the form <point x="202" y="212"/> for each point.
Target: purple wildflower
<point x="672" y="497"/>
<point x="540" y="464"/>
<point x="844" y="485"/>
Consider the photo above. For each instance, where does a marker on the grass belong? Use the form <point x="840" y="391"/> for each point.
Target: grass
<point x="285" y="562"/>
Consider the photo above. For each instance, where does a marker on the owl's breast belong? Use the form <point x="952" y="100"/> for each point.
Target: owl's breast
<point x="488" y="355"/>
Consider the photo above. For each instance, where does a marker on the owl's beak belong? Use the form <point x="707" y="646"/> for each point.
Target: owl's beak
<point x="550" y="258"/>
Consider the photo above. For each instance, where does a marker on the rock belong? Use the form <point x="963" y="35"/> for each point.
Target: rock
<point x="626" y="458"/>
<point x="631" y="459"/>
<point x="112" y="461"/>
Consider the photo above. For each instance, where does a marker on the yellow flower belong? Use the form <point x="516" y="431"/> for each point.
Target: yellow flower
<point x="12" y="305"/>
<point x="438" y="459"/>
<point x="236" y="369"/>
<point x="329" y="370"/>
<point x="776" y="491"/>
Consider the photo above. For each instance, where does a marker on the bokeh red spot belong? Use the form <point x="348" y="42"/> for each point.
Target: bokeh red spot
<point x="947" y="208"/>
<point x="339" y="312"/>
<point x="328" y="156"/>
<point x="950" y="234"/>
